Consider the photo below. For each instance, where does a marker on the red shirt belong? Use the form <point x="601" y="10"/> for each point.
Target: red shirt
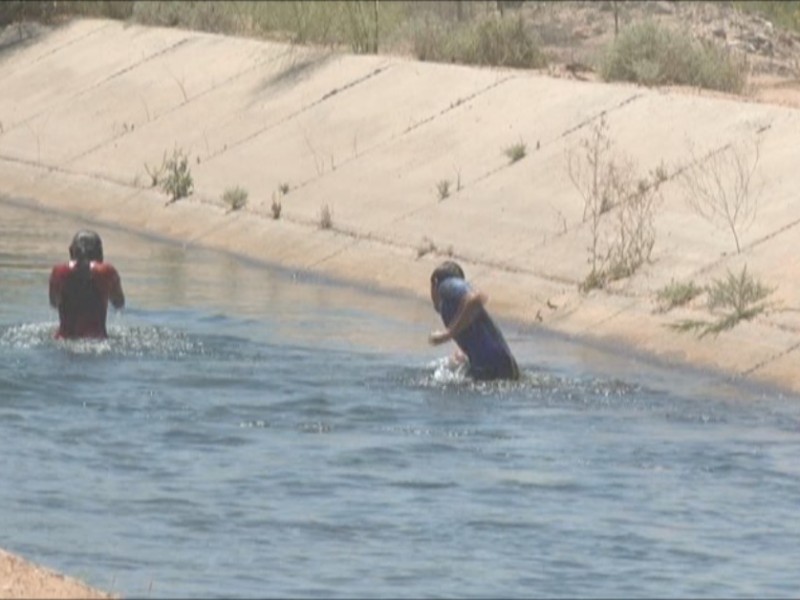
<point x="82" y="298"/>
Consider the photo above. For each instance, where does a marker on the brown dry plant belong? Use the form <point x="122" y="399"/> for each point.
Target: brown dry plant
<point x="720" y="187"/>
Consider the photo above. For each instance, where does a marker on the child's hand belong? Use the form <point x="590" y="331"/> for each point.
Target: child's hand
<point x="458" y="358"/>
<point x="438" y="337"/>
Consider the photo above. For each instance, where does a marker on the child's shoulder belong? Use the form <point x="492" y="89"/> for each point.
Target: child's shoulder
<point x="454" y="285"/>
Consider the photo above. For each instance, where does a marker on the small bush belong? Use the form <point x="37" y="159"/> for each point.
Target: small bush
<point x="516" y="152"/>
<point x="676" y="294"/>
<point x="619" y="207"/>
<point x="721" y="187"/>
<point x="737" y="297"/>
<point x="325" y="217"/>
<point x="652" y="55"/>
<point x="235" y="198"/>
<point x="738" y="292"/>
<point x="283" y="189"/>
<point x="443" y="189"/>
<point x="276" y="209"/>
<point x="178" y="182"/>
<point x="491" y="42"/>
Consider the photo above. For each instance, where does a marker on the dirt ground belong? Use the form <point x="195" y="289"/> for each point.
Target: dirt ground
<point x="21" y="579"/>
<point x="575" y="34"/>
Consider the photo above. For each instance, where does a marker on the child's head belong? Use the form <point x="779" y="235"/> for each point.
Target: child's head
<point x="86" y="246"/>
<point x="446" y="270"/>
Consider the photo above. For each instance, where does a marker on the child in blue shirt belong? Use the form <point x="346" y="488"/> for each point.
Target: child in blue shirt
<point x="469" y="325"/>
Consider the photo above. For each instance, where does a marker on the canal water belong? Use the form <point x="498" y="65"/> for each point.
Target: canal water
<point x="248" y="432"/>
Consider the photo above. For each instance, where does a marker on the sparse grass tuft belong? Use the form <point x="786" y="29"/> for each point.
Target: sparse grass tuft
<point x="676" y="294"/>
<point x="283" y="189"/>
<point x="653" y="55"/>
<point x="276" y="207"/>
<point x="426" y="246"/>
<point x="178" y="182"/>
<point x="235" y="198"/>
<point x="325" y="217"/>
<point x="740" y="298"/>
<point x="516" y="152"/>
<point x="738" y="292"/>
<point x="443" y="189"/>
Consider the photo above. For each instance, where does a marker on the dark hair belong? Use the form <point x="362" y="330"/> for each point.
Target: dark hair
<point x="446" y="270"/>
<point x="80" y="293"/>
<point x="86" y="246"/>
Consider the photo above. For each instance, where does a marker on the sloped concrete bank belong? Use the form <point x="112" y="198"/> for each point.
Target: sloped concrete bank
<point x="87" y="111"/>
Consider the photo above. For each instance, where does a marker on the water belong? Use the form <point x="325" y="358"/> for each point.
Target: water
<point x="249" y="433"/>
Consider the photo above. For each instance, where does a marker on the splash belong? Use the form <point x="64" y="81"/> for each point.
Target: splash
<point x="128" y="341"/>
<point x="446" y="374"/>
<point x="447" y="371"/>
<point x="27" y="335"/>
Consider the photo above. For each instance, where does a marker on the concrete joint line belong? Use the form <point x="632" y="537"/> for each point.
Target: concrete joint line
<point x="613" y="315"/>
<point x="774" y="234"/>
<point x="332" y="255"/>
<point x="456" y="104"/>
<point x="353" y="83"/>
<point x="169" y="111"/>
<point x="713" y="265"/>
<point x="70" y="43"/>
<point x="138" y="64"/>
<point x="593" y="118"/>
<point x="95" y="85"/>
<point x="769" y="360"/>
<point x="299" y="111"/>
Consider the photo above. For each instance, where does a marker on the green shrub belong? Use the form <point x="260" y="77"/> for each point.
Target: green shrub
<point x="50" y="11"/>
<point x="178" y="181"/>
<point x="652" y="55"/>
<point x="235" y="198"/>
<point x="735" y="298"/>
<point x="353" y="23"/>
<point x="494" y="42"/>
<point x="676" y="294"/>
<point x="516" y="152"/>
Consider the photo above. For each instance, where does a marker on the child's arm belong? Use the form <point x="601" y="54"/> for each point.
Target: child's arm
<point x="468" y="309"/>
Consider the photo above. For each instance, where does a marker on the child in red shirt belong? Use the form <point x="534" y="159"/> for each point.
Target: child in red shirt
<point x="82" y="288"/>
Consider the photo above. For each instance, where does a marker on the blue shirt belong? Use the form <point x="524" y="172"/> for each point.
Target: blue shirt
<point x="481" y="341"/>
